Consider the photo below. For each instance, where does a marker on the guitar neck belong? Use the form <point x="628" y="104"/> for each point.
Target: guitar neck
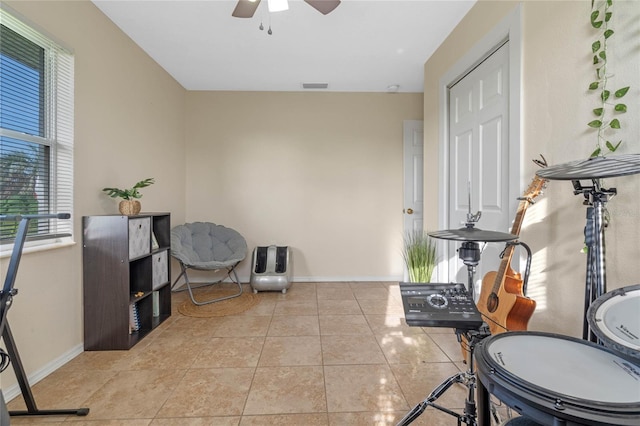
<point x="508" y="251"/>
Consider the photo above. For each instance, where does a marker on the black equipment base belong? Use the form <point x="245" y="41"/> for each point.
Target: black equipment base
<point x="474" y="414"/>
<point x="6" y="299"/>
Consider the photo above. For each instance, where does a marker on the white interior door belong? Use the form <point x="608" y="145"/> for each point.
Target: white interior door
<point x="478" y="159"/>
<point x="413" y="205"/>
<point x="413" y="209"/>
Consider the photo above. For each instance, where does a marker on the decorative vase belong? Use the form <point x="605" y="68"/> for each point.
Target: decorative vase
<point x="129" y="207"/>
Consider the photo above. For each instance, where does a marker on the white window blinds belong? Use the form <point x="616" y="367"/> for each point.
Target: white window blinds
<point x="36" y="130"/>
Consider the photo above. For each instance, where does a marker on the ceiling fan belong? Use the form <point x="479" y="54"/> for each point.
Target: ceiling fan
<point x="246" y="8"/>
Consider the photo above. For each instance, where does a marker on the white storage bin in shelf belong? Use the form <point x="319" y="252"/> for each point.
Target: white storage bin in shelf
<point x="160" y="269"/>
<point x="139" y="237"/>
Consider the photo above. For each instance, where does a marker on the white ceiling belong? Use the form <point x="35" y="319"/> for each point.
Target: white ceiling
<point x="362" y="46"/>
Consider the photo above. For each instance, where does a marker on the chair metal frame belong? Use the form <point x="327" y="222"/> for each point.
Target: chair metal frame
<point x="189" y="287"/>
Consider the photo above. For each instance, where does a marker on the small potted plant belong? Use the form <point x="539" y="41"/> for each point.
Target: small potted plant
<point x="129" y="205"/>
<point x="419" y="254"/>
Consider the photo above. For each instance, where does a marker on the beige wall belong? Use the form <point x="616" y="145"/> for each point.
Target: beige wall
<point x="320" y="172"/>
<point x="128" y="126"/>
<point x="556" y="64"/>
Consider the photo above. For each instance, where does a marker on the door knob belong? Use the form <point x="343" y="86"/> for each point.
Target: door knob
<point x="409" y="211"/>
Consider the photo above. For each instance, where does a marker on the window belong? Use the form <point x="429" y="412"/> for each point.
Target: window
<point x="36" y="131"/>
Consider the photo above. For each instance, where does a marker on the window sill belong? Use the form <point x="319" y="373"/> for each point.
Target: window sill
<point x="37" y="246"/>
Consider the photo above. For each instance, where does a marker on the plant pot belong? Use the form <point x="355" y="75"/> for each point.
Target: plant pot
<point x="129" y="207"/>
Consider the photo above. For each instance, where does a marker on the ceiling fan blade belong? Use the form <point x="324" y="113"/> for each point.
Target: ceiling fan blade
<point x="323" y="6"/>
<point x="245" y="8"/>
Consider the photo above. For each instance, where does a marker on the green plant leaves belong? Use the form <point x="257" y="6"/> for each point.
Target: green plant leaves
<point x="612" y="147"/>
<point x="601" y="19"/>
<point x="621" y="92"/>
<point x="620" y="108"/>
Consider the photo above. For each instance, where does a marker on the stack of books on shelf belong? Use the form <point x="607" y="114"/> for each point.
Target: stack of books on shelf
<point x="134" y="320"/>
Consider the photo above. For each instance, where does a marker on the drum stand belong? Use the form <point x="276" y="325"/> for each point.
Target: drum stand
<point x="469" y="253"/>
<point x="467" y="378"/>
<point x="596" y="198"/>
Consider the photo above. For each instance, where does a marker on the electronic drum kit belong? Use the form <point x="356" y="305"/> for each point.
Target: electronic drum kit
<point x="551" y="379"/>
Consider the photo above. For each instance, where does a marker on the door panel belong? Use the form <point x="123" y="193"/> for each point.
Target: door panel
<point x="478" y="159"/>
<point x="413" y="209"/>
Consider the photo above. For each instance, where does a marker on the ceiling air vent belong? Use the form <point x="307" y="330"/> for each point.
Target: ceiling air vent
<point x="315" y="85"/>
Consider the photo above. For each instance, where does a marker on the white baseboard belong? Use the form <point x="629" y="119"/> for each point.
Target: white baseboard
<point x="13" y="391"/>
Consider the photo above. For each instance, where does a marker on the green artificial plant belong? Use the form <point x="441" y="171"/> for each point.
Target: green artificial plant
<point x="419" y="254"/>
<point x="131" y="193"/>
<point x="610" y="104"/>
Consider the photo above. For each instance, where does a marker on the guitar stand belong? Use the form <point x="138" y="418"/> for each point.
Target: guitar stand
<point x="6" y="299"/>
<point x="470" y="414"/>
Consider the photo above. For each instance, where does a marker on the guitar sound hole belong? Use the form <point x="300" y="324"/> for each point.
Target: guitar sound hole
<point x="492" y="302"/>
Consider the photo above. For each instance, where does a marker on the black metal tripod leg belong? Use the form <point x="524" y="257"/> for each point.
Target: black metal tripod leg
<point x="21" y="376"/>
<point x="433" y="396"/>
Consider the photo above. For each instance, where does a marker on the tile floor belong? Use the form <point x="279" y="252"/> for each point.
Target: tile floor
<point x="321" y="354"/>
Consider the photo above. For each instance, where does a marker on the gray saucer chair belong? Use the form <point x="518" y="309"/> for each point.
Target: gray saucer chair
<point x="205" y="246"/>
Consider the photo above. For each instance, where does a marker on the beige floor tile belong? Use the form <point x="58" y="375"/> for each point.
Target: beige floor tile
<point x="291" y="351"/>
<point x="265" y="308"/>
<point x="286" y="420"/>
<point x="209" y="392"/>
<point x="120" y="422"/>
<point x="133" y="394"/>
<point x="338" y="307"/>
<point x="100" y="360"/>
<point x="419" y="380"/>
<point x="197" y="421"/>
<point x="230" y="352"/>
<point x="351" y="350"/>
<point x="411" y="349"/>
<point x="391" y="324"/>
<point x="362" y="388"/>
<point x="296" y="307"/>
<point x="335" y="293"/>
<point x="243" y="326"/>
<point x="77" y="385"/>
<point x="189" y="328"/>
<point x="294" y="325"/>
<point x="366" y="418"/>
<point x="283" y="390"/>
<point x="344" y="325"/>
<point x="168" y="353"/>
<point x="381" y="306"/>
<point x="367" y="284"/>
<point x="372" y="293"/>
<point x="326" y="353"/>
<point x="449" y="344"/>
<point x="332" y="284"/>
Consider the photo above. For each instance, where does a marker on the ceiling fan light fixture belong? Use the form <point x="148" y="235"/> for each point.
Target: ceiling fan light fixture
<point x="278" y="5"/>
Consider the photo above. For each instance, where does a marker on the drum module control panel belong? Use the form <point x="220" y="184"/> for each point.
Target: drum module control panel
<point x="439" y="305"/>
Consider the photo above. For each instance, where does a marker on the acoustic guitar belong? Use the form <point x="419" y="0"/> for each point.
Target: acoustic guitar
<point x="502" y="301"/>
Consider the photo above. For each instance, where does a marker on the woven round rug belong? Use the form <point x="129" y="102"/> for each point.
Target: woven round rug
<point x="236" y="305"/>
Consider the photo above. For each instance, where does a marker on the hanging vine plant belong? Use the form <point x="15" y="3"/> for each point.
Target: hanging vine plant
<point x="610" y="103"/>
